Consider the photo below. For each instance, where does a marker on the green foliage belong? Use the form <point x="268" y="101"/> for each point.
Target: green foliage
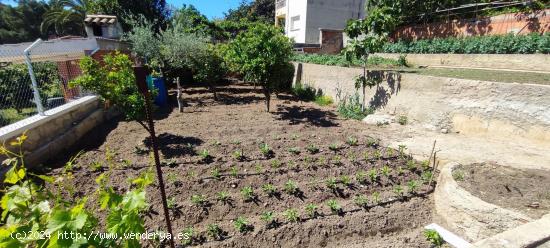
<point x="376" y="197"/>
<point x="291" y="188"/>
<point x="334" y="206"/>
<point x="238" y="155"/>
<point x="331" y="183"/>
<point x="294" y="150"/>
<point x="265" y="150"/>
<point x="412" y="186"/>
<point x="398" y="190"/>
<point x="312" y="148"/>
<point x="373" y="175"/>
<point x="494" y="44"/>
<point x="21" y="23"/>
<point x="403" y="120"/>
<point x="350" y="108"/>
<point x="248" y="193"/>
<point x="433" y="237"/>
<point x="352" y="141"/>
<point x="291" y="215"/>
<point x="386" y="171"/>
<point x="224" y="197"/>
<point x="269" y="219"/>
<point x="214" y="231"/>
<point x="262" y="55"/>
<point x="256" y="11"/>
<point x="241" y="224"/>
<point x="341" y="60"/>
<point x="199" y="200"/>
<point x="324" y="100"/>
<point x="346" y="181"/>
<point x="361" y="177"/>
<point x="311" y="210"/>
<point x="113" y="80"/>
<point x="361" y="201"/>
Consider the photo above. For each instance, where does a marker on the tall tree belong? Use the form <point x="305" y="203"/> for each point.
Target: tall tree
<point x="257" y="10"/>
<point x="155" y="11"/>
<point x="21" y="23"/>
<point x="66" y="16"/>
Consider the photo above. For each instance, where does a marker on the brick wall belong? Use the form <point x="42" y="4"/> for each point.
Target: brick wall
<point x="332" y="41"/>
<point x="519" y="23"/>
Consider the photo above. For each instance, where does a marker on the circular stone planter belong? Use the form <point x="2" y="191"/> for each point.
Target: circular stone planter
<point x="469" y="216"/>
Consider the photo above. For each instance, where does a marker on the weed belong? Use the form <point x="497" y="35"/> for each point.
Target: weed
<point x="361" y="177"/>
<point x="223" y="196"/>
<point x="269" y="219"/>
<point x="241" y="224"/>
<point x="352" y="141"/>
<point x="311" y="210"/>
<point x="216" y="173"/>
<point x="248" y="193"/>
<point x="331" y="184"/>
<point x="346" y="181"/>
<point x="386" y="171"/>
<point x="238" y="155"/>
<point x="412" y="186"/>
<point x="313" y="149"/>
<point x="96" y="166"/>
<point x="335" y="208"/>
<point x="398" y="190"/>
<point x="373" y="175"/>
<point x="199" y="200"/>
<point x="402" y="120"/>
<point x="294" y="150"/>
<point x="291" y="215"/>
<point x="291" y="188"/>
<point x="361" y="201"/>
<point x="269" y="189"/>
<point x="324" y="100"/>
<point x="265" y="150"/>
<point x="458" y="175"/>
<point x="433" y="237"/>
<point x="214" y="231"/>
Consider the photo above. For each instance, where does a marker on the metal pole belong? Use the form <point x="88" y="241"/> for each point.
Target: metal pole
<point x="37" y="99"/>
<point x="141" y="73"/>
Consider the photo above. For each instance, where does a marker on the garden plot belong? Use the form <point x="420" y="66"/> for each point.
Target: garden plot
<point x="239" y="176"/>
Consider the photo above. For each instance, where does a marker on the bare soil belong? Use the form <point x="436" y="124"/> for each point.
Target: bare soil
<point x="239" y="122"/>
<point x="523" y="190"/>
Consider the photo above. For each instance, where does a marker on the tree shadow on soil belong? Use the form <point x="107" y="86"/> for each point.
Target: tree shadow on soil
<point x="297" y="115"/>
<point x="174" y="145"/>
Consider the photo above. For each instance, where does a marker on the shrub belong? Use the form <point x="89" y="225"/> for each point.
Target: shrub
<point x="434" y="238"/>
<point x="324" y="100"/>
<point x="350" y="108"/>
<point x="340" y="60"/>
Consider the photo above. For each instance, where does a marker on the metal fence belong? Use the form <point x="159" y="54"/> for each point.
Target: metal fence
<point x="34" y="78"/>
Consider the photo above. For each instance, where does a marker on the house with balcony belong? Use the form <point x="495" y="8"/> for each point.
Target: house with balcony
<point x="317" y="25"/>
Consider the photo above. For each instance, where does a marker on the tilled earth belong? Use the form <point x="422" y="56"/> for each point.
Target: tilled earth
<point x="310" y="145"/>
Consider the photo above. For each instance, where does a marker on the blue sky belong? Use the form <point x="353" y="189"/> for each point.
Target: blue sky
<point x="210" y="8"/>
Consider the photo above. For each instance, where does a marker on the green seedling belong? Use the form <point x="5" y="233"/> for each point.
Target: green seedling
<point x="402" y="149"/>
<point x="291" y="188"/>
<point x="259" y="168"/>
<point x="238" y="155"/>
<point x="295" y="137"/>
<point x="336" y="160"/>
<point x="377" y="155"/>
<point x="426" y="176"/>
<point x="433" y="237"/>
<point x="389" y="152"/>
<point x="265" y="150"/>
<point x="291" y="215"/>
<point x="361" y="201"/>
<point x="458" y="175"/>
<point x="352" y="157"/>
<point x="335" y="208"/>
<point x="331" y="184"/>
<point x="205" y="155"/>
<point x="241" y="224"/>
<point x="346" y="181"/>
<point x="234" y="171"/>
<point x="400" y="170"/>
<point x="214" y="231"/>
<point x="199" y="200"/>
<point x="412" y="186"/>
<point x="402" y="120"/>
<point x="224" y="197"/>
<point x="372" y="142"/>
<point x="236" y="142"/>
<point x="311" y="210"/>
<point x="276" y="164"/>
<point x="398" y="190"/>
<point x="96" y="166"/>
<point x="425" y="164"/>
<point x="375" y="197"/>
<point x="313" y="149"/>
<point x="294" y="150"/>
<point x="352" y="141"/>
<point x="269" y="189"/>
<point x="386" y="171"/>
<point x="216" y="173"/>
<point x="334" y="147"/>
<point x="411" y="165"/>
<point x="269" y="219"/>
<point x="216" y="143"/>
<point x="373" y="175"/>
<point x="248" y="193"/>
<point x="188" y="236"/>
<point x="361" y="177"/>
<point x="171" y="202"/>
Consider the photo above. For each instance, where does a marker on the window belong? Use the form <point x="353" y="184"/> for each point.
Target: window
<point x="295" y="23"/>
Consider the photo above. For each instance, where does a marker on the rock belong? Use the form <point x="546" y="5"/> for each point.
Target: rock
<point x="379" y="119"/>
<point x="445" y="131"/>
<point x="534" y="205"/>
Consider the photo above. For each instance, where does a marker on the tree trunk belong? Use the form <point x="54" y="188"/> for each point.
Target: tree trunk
<point x="364" y="83"/>
<point x="267" y="94"/>
<point x="179" y="96"/>
<point x="213" y="90"/>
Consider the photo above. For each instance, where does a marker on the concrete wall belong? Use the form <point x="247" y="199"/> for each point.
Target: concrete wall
<point x="518" y="23"/>
<point x="330" y="14"/>
<point x="55" y="132"/>
<point x="515" y="111"/>
<point x="530" y="62"/>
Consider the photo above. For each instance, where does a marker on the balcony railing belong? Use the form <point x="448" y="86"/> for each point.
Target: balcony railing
<point x="280" y="4"/>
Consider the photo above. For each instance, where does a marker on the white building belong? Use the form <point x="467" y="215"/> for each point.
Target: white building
<point x="304" y="20"/>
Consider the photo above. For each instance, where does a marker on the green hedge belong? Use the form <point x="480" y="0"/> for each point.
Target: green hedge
<point x="340" y="60"/>
<point x="497" y="44"/>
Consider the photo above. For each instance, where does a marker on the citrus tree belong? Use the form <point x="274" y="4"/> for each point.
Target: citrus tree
<point x="368" y="37"/>
<point x="261" y="54"/>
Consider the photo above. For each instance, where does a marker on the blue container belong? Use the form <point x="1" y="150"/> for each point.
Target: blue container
<point x="158" y="85"/>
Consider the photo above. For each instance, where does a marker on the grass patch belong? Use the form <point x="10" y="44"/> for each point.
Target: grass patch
<point x="340" y="60"/>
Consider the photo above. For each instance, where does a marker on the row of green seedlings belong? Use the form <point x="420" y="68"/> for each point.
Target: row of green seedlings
<point x="268" y="152"/>
<point x="291" y="215"/>
<point x="276" y="164"/>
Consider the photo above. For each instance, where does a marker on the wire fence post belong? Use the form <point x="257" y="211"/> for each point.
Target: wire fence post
<point x="37" y="99"/>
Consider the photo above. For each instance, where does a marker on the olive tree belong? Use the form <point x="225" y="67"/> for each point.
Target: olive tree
<point x="368" y="37"/>
<point x="261" y="54"/>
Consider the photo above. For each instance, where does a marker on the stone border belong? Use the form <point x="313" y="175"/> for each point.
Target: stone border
<point x="468" y="215"/>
